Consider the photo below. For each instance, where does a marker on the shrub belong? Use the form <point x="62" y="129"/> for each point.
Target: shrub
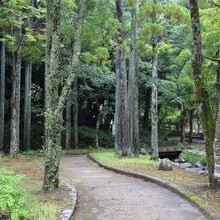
<point x="193" y="157"/>
<point x="13" y="199"/>
<point x="87" y="136"/>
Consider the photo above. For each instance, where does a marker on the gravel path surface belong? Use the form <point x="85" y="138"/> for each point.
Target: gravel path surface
<point x="104" y="195"/>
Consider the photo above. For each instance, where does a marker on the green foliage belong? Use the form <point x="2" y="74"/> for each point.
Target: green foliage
<point x="193" y="157"/>
<point x="145" y="139"/>
<point x="13" y="199"/>
<point x="87" y="137"/>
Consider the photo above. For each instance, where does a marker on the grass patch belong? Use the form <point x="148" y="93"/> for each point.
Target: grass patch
<point x="45" y="212"/>
<point x="190" y="181"/>
<point x="109" y="157"/>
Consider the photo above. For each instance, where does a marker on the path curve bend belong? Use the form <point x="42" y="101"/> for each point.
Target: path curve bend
<point x="104" y="195"/>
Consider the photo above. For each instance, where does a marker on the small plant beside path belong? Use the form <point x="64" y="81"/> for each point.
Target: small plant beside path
<point x="21" y="193"/>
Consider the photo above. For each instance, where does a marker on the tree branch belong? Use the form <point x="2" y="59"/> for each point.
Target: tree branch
<point x="214" y="3"/>
<point x="212" y="59"/>
<point x="75" y="58"/>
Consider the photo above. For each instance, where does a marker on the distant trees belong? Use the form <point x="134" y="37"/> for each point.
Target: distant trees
<point x="134" y="66"/>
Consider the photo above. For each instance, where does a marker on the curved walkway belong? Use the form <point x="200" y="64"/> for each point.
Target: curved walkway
<point x="104" y="195"/>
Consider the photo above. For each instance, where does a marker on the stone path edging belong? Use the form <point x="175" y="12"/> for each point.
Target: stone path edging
<point x="67" y="214"/>
<point x="193" y="199"/>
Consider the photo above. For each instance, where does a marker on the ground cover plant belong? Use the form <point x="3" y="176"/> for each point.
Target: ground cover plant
<point x="21" y="193"/>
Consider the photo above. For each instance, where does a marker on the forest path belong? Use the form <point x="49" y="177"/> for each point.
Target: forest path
<point x="104" y="195"/>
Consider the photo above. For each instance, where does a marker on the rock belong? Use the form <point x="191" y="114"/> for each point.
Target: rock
<point x="186" y="165"/>
<point x="120" y="153"/>
<point x="177" y="164"/>
<point x="166" y="165"/>
<point x="198" y="164"/>
<point x="205" y="168"/>
<point x="178" y="161"/>
<point x="194" y="170"/>
<point x="204" y="173"/>
<point x="143" y="151"/>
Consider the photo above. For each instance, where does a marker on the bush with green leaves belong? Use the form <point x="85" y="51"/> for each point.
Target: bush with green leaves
<point x="13" y="199"/>
<point x="193" y="157"/>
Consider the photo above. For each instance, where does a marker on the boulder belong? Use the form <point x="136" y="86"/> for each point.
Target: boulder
<point x="166" y="165"/>
<point x="186" y="165"/>
<point x="180" y="161"/>
<point x="199" y="165"/>
<point x="204" y="173"/>
<point x="195" y="170"/>
<point x="143" y="151"/>
<point x="204" y="168"/>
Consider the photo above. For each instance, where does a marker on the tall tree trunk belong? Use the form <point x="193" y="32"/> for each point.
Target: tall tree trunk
<point x="217" y="147"/>
<point x="53" y="121"/>
<point x="154" y="103"/>
<point x="27" y="106"/>
<point x="217" y="130"/>
<point x="68" y="123"/>
<point x="183" y="125"/>
<point x="146" y="123"/>
<point x="218" y="84"/>
<point x="2" y="97"/>
<point x="133" y="85"/>
<point x="98" y="121"/>
<point x="121" y="115"/>
<point x="76" y="113"/>
<point x="191" y="113"/>
<point x="15" y="104"/>
<point x="56" y="102"/>
<point x="201" y="92"/>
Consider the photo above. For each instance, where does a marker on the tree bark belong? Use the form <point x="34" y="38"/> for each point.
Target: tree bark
<point x="76" y="113"/>
<point x="68" y="123"/>
<point x="53" y="121"/>
<point x="121" y="113"/>
<point x="218" y="84"/>
<point x="2" y="97"/>
<point x="27" y="106"/>
<point x="183" y="125"/>
<point x="98" y="121"/>
<point x="133" y="85"/>
<point x="217" y="131"/>
<point x="201" y="92"/>
<point x="15" y="104"/>
<point x="191" y="114"/>
<point x="154" y="105"/>
<point x="146" y="122"/>
<point x="56" y="102"/>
